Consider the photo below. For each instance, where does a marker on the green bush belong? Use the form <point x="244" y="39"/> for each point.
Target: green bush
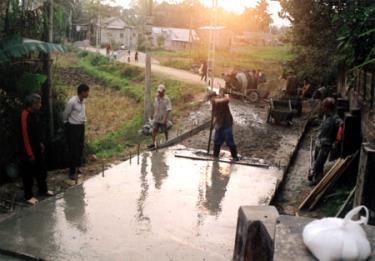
<point x="83" y="54"/>
<point x="30" y="83"/>
<point x="131" y="72"/>
<point x="98" y="60"/>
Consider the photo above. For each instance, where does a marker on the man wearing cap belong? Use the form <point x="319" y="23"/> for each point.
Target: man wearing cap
<point x="32" y="150"/>
<point x="162" y="107"/>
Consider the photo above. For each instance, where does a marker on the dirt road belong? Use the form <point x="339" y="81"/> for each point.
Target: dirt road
<point x="122" y="56"/>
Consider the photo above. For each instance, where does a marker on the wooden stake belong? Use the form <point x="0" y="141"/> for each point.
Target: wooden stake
<point x="211" y="128"/>
<point x="103" y="168"/>
<point x="346" y="203"/>
<point x="138" y="151"/>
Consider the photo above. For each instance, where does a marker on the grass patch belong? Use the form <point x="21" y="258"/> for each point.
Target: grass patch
<point x="115" y="108"/>
<point x="115" y="142"/>
<point x="111" y="75"/>
<point x="267" y="58"/>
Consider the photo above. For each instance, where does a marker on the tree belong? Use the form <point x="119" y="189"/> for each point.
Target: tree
<point x="313" y="37"/>
<point x="356" y="35"/>
<point x="320" y="27"/>
<point x="262" y="17"/>
<point x="257" y="19"/>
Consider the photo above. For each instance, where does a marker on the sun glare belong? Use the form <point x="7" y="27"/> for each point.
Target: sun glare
<point x="232" y="5"/>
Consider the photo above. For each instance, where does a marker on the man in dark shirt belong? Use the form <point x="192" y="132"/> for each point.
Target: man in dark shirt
<point x="32" y="150"/>
<point x="291" y="84"/>
<point x="326" y="137"/>
<point x="223" y="120"/>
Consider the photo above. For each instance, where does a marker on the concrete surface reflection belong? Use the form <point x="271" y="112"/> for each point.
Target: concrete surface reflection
<point x="74" y="208"/>
<point x="214" y="184"/>
<point x="159" y="168"/>
<point x="165" y="208"/>
<point x="143" y="193"/>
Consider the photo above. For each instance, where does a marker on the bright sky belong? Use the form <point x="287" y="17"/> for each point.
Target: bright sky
<point x="236" y="6"/>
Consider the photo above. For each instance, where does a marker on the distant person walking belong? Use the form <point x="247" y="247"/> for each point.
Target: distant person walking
<point x="162" y="108"/>
<point x="129" y="59"/>
<point x="32" y="150"/>
<point x="204" y="71"/>
<point x="108" y="49"/>
<point x="136" y="56"/>
<point x="74" y="117"/>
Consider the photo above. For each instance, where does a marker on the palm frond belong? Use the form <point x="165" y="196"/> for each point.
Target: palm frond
<point x="16" y="47"/>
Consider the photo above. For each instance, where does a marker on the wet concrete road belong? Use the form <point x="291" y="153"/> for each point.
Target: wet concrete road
<point x="165" y="208"/>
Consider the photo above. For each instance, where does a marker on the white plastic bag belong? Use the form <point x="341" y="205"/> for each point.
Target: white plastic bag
<point x="337" y="238"/>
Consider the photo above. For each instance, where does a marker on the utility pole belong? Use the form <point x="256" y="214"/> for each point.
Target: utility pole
<point x="49" y="71"/>
<point x="212" y="44"/>
<point x="147" y="90"/>
<point x="70" y="24"/>
<point x="191" y="38"/>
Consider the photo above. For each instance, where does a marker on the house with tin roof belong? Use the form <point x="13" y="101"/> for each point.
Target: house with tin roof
<point x="171" y="38"/>
<point x="115" y="31"/>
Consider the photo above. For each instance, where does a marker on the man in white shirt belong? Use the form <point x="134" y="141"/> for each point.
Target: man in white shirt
<point x="162" y="107"/>
<point x="74" y="118"/>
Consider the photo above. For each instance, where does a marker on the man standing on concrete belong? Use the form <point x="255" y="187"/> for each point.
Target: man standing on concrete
<point x="326" y="137"/>
<point x="162" y="108"/>
<point x="223" y="121"/>
<point x="32" y="150"/>
<point x="74" y="117"/>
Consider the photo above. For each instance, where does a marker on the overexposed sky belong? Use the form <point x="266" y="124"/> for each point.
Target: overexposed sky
<point x="235" y="6"/>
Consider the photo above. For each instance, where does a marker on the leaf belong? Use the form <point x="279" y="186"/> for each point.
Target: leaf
<point x="367" y="33"/>
<point x="16" y="47"/>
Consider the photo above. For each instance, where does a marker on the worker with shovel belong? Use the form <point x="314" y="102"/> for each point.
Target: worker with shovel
<point x="222" y="119"/>
<point x="328" y="134"/>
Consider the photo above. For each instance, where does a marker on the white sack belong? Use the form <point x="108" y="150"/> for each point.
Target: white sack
<point x="337" y="238"/>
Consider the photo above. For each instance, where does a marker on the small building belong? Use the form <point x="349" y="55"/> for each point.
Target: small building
<point x="224" y="36"/>
<point x="114" y="31"/>
<point x="171" y="38"/>
<point x="260" y="38"/>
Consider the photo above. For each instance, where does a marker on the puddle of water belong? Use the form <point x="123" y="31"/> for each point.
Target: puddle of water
<point x="165" y="208"/>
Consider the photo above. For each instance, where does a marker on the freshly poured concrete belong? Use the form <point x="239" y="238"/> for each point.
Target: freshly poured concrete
<point x="165" y="208"/>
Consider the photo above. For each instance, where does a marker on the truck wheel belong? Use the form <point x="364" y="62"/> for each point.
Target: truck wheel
<point x="253" y="97"/>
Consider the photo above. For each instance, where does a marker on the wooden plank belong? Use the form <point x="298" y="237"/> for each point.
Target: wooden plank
<point x="327" y="182"/>
<point x="223" y="161"/>
<point x="319" y="186"/>
<point x="334" y="178"/>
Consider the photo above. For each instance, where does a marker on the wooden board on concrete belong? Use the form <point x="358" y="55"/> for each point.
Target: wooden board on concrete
<point x="224" y="159"/>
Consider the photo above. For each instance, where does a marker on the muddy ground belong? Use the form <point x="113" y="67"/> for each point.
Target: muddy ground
<point x="254" y="137"/>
